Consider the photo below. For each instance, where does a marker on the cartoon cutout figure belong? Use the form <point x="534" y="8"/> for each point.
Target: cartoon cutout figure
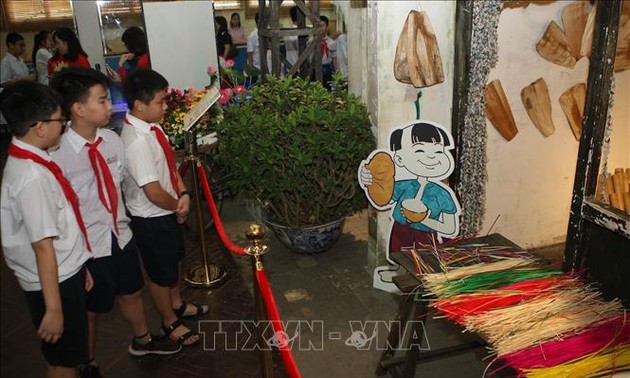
<point x="407" y="181"/>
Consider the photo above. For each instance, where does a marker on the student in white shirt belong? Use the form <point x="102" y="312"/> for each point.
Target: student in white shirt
<point x="253" y="46"/>
<point x="92" y="158"/>
<point x="42" y="52"/>
<point x="42" y="238"/>
<point x="157" y="200"/>
<point x="12" y="66"/>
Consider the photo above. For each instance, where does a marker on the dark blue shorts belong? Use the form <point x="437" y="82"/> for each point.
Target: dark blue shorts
<point x="72" y="348"/>
<point x="161" y="244"/>
<point x="118" y="274"/>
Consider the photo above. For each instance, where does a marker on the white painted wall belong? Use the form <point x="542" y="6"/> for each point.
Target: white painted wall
<point x="530" y="179"/>
<point x="181" y="41"/>
<point x="89" y="31"/>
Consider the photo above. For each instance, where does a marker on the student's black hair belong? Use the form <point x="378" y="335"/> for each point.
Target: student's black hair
<point x="38" y="42"/>
<point x="324" y="18"/>
<point x="13" y="38"/>
<point x="239" y="19"/>
<point x="293" y="12"/>
<point x="74" y="85"/>
<point x="25" y="103"/>
<point x="135" y="40"/>
<point x="74" y="46"/>
<point x="142" y="84"/>
<point x="223" y="26"/>
<point x="420" y="132"/>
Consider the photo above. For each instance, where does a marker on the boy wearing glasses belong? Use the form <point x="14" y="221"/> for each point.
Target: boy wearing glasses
<point x="43" y="237"/>
<point x="92" y="158"/>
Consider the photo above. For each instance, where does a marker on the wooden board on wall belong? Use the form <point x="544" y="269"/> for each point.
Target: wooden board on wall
<point x="538" y="106"/>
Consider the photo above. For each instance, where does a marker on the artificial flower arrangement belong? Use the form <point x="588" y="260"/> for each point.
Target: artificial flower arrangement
<point x="234" y="85"/>
<point x="179" y="103"/>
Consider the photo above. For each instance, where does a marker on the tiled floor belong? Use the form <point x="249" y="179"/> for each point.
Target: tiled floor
<point x="331" y="293"/>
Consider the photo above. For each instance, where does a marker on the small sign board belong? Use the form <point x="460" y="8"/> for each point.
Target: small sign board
<point x="202" y="106"/>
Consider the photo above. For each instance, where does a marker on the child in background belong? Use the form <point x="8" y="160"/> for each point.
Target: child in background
<point x="157" y="200"/>
<point x="12" y="66"/>
<point x="69" y="52"/>
<point x="43" y="238"/>
<point x="42" y="46"/>
<point x="92" y="158"/>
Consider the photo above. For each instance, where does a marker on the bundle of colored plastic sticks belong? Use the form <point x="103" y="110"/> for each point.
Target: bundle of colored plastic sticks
<point x="485" y="276"/>
<point x="572" y="346"/>
<point x="598" y="364"/>
<point x="529" y="323"/>
<point x="460" y="306"/>
<point x="457" y="253"/>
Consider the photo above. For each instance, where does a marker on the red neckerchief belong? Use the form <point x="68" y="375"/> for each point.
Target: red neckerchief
<point x="68" y="192"/>
<point x="104" y="178"/>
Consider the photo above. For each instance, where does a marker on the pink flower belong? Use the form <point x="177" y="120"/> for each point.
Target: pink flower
<point x="225" y="96"/>
<point x="211" y="70"/>
<point x="229" y="63"/>
<point x="239" y="89"/>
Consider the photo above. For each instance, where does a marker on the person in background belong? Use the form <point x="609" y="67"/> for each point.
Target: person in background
<point x="43" y="237"/>
<point x="291" y="42"/>
<point x="253" y="46"/>
<point x="224" y="41"/>
<point x="341" y="62"/>
<point x="329" y="53"/>
<point x="42" y="52"/>
<point x="69" y="52"/>
<point x="237" y="32"/>
<point x="136" y="42"/>
<point x="12" y="66"/>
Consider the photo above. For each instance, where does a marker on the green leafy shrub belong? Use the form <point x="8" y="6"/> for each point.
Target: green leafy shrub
<point x="295" y="147"/>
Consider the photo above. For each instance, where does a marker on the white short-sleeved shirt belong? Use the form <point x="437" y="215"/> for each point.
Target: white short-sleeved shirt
<point x="253" y="46"/>
<point x="331" y="44"/>
<point x="12" y="67"/>
<point x="292" y="48"/>
<point x="342" y="55"/>
<point x="33" y="207"/>
<point x="72" y="156"/>
<point x="42" y="57"/>
<point x="145" y="162"/>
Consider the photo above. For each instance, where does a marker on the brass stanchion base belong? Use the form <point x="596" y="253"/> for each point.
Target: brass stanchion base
<point x="196" y="276"/>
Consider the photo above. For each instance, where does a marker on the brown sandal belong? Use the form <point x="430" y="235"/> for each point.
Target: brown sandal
<point x="183" y="340"/>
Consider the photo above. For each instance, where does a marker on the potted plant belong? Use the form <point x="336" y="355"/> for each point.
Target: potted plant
<point x="294" y="147"/>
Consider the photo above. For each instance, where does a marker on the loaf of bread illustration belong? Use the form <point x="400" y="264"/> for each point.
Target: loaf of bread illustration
<point x="382" y="168"/>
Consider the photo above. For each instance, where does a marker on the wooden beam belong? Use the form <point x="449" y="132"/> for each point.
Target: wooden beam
<point x="600" y="72"/>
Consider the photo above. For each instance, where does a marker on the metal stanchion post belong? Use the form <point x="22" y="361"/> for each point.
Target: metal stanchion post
<point x="255" y="234"/>
<point x="207" y="274"/>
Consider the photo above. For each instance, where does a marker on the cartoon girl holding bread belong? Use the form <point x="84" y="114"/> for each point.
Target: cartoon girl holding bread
<point x="423" y="208"/>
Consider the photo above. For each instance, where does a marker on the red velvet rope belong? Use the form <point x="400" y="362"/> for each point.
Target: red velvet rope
<point x="225" y="239"/>
<point x="261" y="277"/>
<point x="276" y="322"/>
